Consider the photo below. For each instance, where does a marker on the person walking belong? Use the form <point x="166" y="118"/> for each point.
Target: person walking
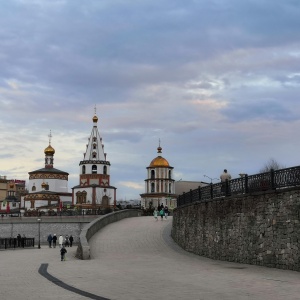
<point x="166" y="211"/>
<point x="155" y="213"/>
<point x="63" y="252"/>
<point x="54" y="239"/>
<point x="19" y="238"/>
<point x="71" y="239"/>
<point x="162" y="213"/>
<point x="60" y="241"/>
<point x="225" y="177"/>
<point x="49" y="239"/>
<point x="67" y="242"/>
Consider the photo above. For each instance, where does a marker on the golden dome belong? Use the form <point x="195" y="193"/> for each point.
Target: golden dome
<point x="159" y="161"/>
<point x="95" y="119"/>
<point x="44" y="184"/>
<point x="49" y="150"/>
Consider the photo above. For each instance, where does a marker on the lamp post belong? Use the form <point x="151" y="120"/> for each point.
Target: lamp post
<point x="39" y="221"/>
<point x="211" y="179"/>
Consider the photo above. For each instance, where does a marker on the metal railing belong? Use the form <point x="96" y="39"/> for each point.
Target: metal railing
<point x="12" y="243"/>
<point x="272" y="180"/>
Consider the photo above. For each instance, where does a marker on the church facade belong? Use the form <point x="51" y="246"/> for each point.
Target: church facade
<point x="47" y="187"/>
<point x="94" y="190"/>
<point x="159" y="185"/>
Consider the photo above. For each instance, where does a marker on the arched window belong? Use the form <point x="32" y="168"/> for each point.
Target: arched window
<point x="105" y="170"/>
<point x="152" y="187"/>
<point x="170" y="174"/>
<point x="83" y="197"/>
<point x="94" y="146"/>
<point x="105" y="201"/>
<point x="94" y="154"/>
<point x="152" y="174"/>
<point x="33" y="188"/>
<point x="78" y="198"/>
<point x="83" y="169"/>
<point x="94" y="169"/>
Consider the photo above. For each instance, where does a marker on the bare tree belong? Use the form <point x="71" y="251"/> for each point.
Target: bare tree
<point x="271" y="164"/>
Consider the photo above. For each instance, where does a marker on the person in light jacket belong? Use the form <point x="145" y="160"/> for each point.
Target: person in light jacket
<point x="60" y="241"/>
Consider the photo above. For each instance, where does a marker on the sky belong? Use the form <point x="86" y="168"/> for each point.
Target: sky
<point x="217" y="82"/>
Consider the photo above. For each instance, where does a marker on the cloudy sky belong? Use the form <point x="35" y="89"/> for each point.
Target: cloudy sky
<point x="217" y="81"/>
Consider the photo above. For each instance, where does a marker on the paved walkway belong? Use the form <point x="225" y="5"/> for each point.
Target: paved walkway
<point x="135" y="259"/>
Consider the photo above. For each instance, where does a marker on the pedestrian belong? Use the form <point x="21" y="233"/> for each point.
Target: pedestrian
<point x="54" y="239"/>
<point x="71" y="239"/>
<point x="166" y="211"/>
<point x="60" y="241"/>
<point x="162" y="213"/>
<point x="225" y="177"/>
<point x="161" y="207"/>
<point x="63" y="252"/>
<point x="19" y="238"/>
<point x="49" y="239"/>
<point x="67" y="242"/>
<point x="155" y="213"/>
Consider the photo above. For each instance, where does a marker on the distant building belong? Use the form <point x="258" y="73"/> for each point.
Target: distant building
<point x="47" y="187"/>
<point x="159" y="185"/>
<point x="94" y="190"/>
<point x="13" y="189"/>
<point x="182" y="186"/>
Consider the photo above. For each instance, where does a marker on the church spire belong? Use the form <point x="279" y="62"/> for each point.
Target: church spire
<point x="49" y="153"/>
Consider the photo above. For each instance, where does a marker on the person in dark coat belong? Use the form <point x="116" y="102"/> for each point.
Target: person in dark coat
<point x="49" y="239"/>
<point x="63" y="252"/>
<point x="19" y="238"/>
<point x="54" y="239"/>
<point x="71" y="239"/>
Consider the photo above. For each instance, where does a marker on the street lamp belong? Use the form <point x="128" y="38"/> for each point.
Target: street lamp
<point x="39" y="221"/>
<point x="211" y="179"/>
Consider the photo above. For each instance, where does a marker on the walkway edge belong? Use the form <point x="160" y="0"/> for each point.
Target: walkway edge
<point x="43" y="271"/>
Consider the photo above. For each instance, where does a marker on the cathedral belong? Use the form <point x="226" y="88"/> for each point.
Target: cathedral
<point x="47" y="187"/>
<point x="159" y="185"/>
<point x="94" y="190"/>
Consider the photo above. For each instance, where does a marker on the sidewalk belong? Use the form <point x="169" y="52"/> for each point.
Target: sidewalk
<point x="135" y="259"/>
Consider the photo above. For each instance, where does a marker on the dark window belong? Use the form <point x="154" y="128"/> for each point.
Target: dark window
<point x="83" y="169"/>
<point x="152" y="187"/>
<point x="105" y="170"/>
<point x="152" y="174"/>
<point x="33" y="188"/>
<point x="94" y="169"/>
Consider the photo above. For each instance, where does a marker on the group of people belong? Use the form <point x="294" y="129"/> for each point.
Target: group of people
<point x="162" y="210"/>
<point x="66" y="241"/>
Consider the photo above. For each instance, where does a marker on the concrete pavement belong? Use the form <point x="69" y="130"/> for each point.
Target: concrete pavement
<point x="135" y="258"/>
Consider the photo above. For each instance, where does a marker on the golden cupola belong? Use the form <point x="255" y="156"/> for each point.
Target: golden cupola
<point x="159" y="161"/>
<point x="49" y="150"/>
<point x="44" y="185"/>
<point x="95" y="119"/>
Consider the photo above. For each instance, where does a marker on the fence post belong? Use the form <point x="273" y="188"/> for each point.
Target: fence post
<point x="199" y="193"/>
<point x="246" y="184"/>
<point x="272" y="173"/>
<point x="227" y="190"/>
<point x="191" y="196"/>
<point x="211" y="191"/>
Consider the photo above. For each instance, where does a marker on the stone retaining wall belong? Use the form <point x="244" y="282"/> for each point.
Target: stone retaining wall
<point x="261" y="229"/>
<point x="11" y="227"/>
<point x="83" y="249"/>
